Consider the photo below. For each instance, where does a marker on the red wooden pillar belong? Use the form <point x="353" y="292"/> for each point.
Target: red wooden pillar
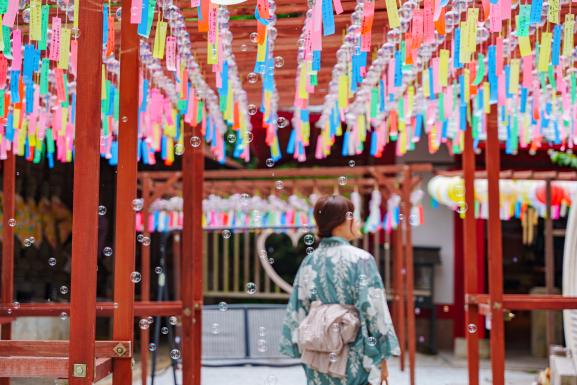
<point x="145" y="288"/>
<point x="192" y="263"/>
<point x="8" y="242"/>
<point x="549" y="261"/>
<point x="86" y="186"/>
<point x="399" y="288"/>
<point x="126" y="180"/>
<point x="470" y="248"/>
<point x="495" y="251"/>
<point x="410" y="275"/>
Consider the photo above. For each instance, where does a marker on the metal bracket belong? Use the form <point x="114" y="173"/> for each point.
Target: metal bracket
<point x="79" y="370"/>
<point x="120" y="350"/>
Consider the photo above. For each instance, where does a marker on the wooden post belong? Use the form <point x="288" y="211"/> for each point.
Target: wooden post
<point x="126" y="180"/>
<point x="8" y="210"/>
<point x="145" y="272"/>
<point x="409" y="269"/>
<point x="399" y="300"/>
<point x="549" y="262"/>
<point x="470" y="246"/>
<point x="495" y="251"/>
<point x="192" y="260"/>
<point x="86" y="187"/>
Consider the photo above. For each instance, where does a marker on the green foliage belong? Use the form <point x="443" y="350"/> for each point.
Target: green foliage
<point x="564" y="159"/>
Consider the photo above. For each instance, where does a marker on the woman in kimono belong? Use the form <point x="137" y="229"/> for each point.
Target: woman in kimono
<point x="339" y="273"/>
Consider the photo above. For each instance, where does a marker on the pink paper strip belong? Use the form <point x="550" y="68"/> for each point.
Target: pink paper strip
<point x="136" y="12"/>
<point x="338" y="6"/>
<point x="10" y="15"/>
<point x="16" y="50"/>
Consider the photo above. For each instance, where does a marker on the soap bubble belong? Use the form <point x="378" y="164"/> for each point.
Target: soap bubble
<point x="164" y="330"/>
<point x="278" y="61"/>
<point x="342" y="180"/>
<point x="222" y="306"/>
<point x="51" y="261"/>
<point x="282" y="122"/>
<point x="250" y="288"/>
<point x="135" y="277"/>
<point x="63" y="289"/>
<point x="26" y="16"/>
<point x="252" y="77"/>
<point x="11" y="222"/>
<point x="175" y="354"/>
<point x="310" y="250"/>
<point x="179" y="149"/>
<point x="352" y="163"/>
<point x="119" y="13"/>
<point x="75" y="32"/>
<point x="172" y="320"/>
<point x="146" y="241"/>
<point x="253" y="37"/>
<point x="63" y="316"/>
<point x="271" y="380"/>
<point x="107" y="251"/>
<point x="371" y="341"/>
<point x="350" y="215"/>
<point x="269" y="162"/>
<point x="333" y="357"/>
<point x="231" y="138"/>
<point x="101" y="210"/>
<point x="309" y="239"/>
<point x="195" y="141"/>
<point x="226" y="234"/>
<point x="16" y="305"/>
<point x="279" y="184"/>
<point x="215" y="329"/>
<point x="158" y="270"/>
<point x="26" y="242"/>
<point x="140" y="237"/>
<point x="137" y="204"/>
<point x="262" y="345"/>
<point x="252" y="109"/>
<point x="143" y="323"/>
<point x="472" y="328"/>
<point x="261" y="331"/>
<point x="152" y="346"/>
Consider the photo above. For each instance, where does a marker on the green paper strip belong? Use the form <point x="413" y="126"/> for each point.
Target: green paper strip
<point x="50" y="141"/>
<point x="116" y="105"/>
<point x="374" y="100"/>
<point x="2" y="99"/>
<point x="6" y="33"/>
<point x="480" y="71"/>
<point x="44" y="76"/>
<point x="573" y="88"/>
<point x="42" y="44"/>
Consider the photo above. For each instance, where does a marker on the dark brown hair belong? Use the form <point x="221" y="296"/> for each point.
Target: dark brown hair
<point x="330" y="212"/>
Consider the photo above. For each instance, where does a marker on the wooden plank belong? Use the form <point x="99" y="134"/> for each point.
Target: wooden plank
<point x="103" y="368"/>
<point x="48" y="367"/>
<point x="103" y="309"/>
<point x="42" y="348"/>
<point x="470" y="251"/>
<point x="86" y="190"/>
<point x="145" y="283"/>
<point x="192" y="260"/>
<point x="495" y="253"/>
<point x="529" y="301"/>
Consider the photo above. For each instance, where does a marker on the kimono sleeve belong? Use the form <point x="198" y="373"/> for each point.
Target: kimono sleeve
<point x="380" y="341"/>
<point x="295" y="313"/>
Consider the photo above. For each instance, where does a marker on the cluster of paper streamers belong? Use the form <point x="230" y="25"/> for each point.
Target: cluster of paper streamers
<point x="516" y="196"/>
<point x="242" y="211"/>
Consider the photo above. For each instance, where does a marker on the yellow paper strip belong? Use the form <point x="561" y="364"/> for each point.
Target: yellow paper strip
<point x="303" y="83"/>
<point x="514" y="76"/>
<point x="464" y="43"/>
<point x="545" y="51"/>
<point x="393" y="14"/>
<point x="103" y="83"/>
<point x="486" y="97"/>
<point x="472" y="18"/>
<point x="64" y="48"/>
<point x="411" y="94"/>
<point x="443" y="67"/>
<point x="466" y="76"/>
<point x="343" y="94"/>
<point x="35" y="20"/>
<point x="553" y="13"/>
<point x="568" y="31"/>
<point x="524" y="46"/>
<point x="261" y="51"/>
<point x="425" y="77"/>
<point x="159" y="40"/>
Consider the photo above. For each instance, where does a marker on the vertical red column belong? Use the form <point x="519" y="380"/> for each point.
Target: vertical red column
<point x="126" y="180"/>
<point x="495" y="251"/>
<point x="399" y="300"/>
<point x="470" y="248"/>
<point x="549" y="261"/>
<point x="85" y="205"/>
<point x="145" y="288"/>
<point x="8" y="211"/>
<point x="191" y="263"/>
<point x="410" y="278"/>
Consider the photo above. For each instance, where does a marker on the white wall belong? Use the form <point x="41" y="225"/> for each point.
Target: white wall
<point x="437" y="231"/>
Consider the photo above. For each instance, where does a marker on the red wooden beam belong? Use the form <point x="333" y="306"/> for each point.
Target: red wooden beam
<point x="495" y="252"/>
<point x="86" y="187"/>
<point x="42" y="348"/>
<point x="399" y="295"/>
<point x="145" y="283"/>
<point x="103" y="309"/>
<point x="126" y="179"/>
<point x="410" y="277"/>
<point x="49" y="367"/>
<point x="470" y="248"/>
<point x="192" y="261"/>
<point x="549" y="260"/>
<point x="529" y="301"/>
<point x="8" y="242"/>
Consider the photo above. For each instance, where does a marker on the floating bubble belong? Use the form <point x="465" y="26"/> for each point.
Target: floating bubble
<point x="158" y="270"/>
<point x="309" y="239"/>
<point x="342" y="180"/>
<point x="179" y="149"/>
<point x="252" y="77"/>
<point x="278" y="61"/>
<point x="414" y="220"/>
<point x="63" y="289"/>
<point x="226" y="234"/>
<point x="350" y="215"/>
<point x="172" y="320"/>
<point x="119" y="13"/>
<point x="137" y="204"/>
<point x="101" y="210"/>
<point x="63" y="316"/>
<point x="222" y="306"/>
<point x="417" y="311"/>
<point x="32" y="240"/>
<point x="145" y="241"/>
<point x="282" y="122"/>
<point x="26" y="16"/>
<point x="26" y="242"/>
<point x="75" y="32"/>
<point x="310" y="250"/>
<point x="269" y="162"/>
<point x="446" y="308"/>
<point x="352" y="163"/>
<point x="248" y="137"/>
<point x="333" y="357"/>
<point x="152" y="346"/>
<point x="250" y="288"/>
<point x="421" y="339"/>
<point x="16" y="305"/>
<point x="143" y="323"/>
<point x="11" y="222"/>
<point x="252" y="109"/>
<point x="371" y="341"/>
<point x="107" y="251"/>
<point x="472" y="328"/>
<point x="51" y="261"/>
<point x="215" y="328"/>
<point x="231" y="138"/>
<point x="135" y="277"/>
<point x="195" y="141"/>
<point x="279" y="184"/>
<point x="262" y="345"/>
<point x="150" y="320"/>
<point x="462" y="208"/>
<point x="253" y="37"/>
<point x="164" y="330"/>
<point x="175" y="354"/>
<point x="271" y="261"/>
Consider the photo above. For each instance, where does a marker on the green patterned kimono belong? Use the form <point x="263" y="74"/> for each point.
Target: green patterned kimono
<point x="337" y="272"/>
